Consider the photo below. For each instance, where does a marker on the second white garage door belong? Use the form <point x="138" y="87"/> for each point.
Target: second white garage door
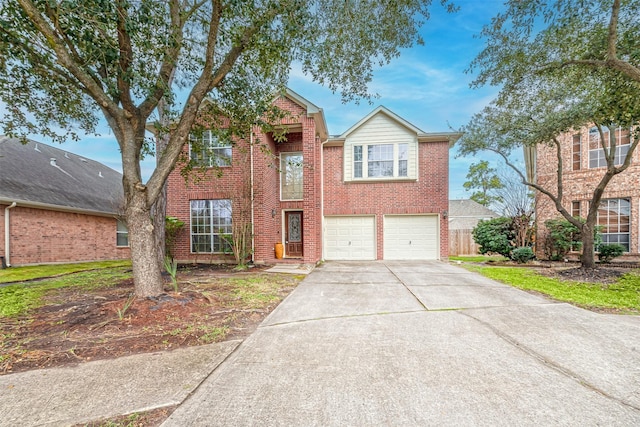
<point x="411" y="237"/>
<point x="349" y="238"/>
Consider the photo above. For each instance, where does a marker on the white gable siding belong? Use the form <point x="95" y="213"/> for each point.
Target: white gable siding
<point x="381" y="129"/>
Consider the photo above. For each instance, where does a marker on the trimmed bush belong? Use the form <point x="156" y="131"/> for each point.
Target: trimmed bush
<point x="609" y="252"/>
<point x="522" y="254"/>
<point x="561" y="237"/>
<point x="495" y="236"/>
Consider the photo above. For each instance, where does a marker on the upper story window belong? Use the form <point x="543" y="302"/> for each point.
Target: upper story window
<point x="597" y="158"/>
<point x="208" y="150"/>
<point x="381" y="161"/>
<point x="291" y="174"/>
<point x="576" y="152"/>
<point x="575" y="208"/>
<point x="122" y="233"/>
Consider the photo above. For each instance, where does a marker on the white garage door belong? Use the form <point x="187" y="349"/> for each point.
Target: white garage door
<point x="411" y="237"/>
<point x="349" y="238"/>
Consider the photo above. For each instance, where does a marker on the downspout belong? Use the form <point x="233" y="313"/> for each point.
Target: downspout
<point x="253" y="242"/>
<point x="322" y="197"/>
<point x="7" y="235"/>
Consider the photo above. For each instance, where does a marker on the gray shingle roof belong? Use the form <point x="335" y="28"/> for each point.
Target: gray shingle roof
<point x="36" y="173"/>
<point x="464" y="214"/>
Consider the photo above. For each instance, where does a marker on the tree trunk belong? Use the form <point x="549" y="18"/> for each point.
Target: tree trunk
<point x="587" y="258"/>
<point x="159" y="212"/>
<point x="146" y="271"/>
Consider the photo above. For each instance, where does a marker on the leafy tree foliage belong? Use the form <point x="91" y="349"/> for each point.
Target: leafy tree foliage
<point x="495" y="235"/>
<point x="485" y="181"/>
<point x="63" y="64"/>
<point x="562" y="236"/>
<point x="573" y="72"/>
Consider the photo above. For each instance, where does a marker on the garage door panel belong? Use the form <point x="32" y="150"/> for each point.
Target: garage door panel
<point x="411" y="237"/>
<point x="350" y="238"/>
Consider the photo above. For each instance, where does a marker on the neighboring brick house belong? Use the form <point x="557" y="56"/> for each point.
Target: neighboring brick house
<point x="378" y="191"/>
<point x="56" y="206"/>
<point x="583" y="167"/>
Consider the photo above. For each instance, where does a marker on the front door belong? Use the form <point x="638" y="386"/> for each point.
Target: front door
<point x="293" y="242"/>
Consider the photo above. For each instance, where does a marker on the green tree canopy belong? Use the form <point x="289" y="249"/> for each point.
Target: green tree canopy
<point x="485" y="181"/>
<point x="561" y="66"/>
<point x="65" y="63"/>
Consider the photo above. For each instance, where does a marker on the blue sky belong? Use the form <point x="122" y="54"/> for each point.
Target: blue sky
<point x="427" y="85"/>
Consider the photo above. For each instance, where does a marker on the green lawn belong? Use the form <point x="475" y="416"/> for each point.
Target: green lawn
<point x="19" y="274"/>
<point x="623" y="295"/>
<point x="477" y="258"/>
<point x="17" y="298"/>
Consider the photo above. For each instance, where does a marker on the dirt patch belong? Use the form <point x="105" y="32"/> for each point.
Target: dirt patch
<point x="213" y="304"/>
<point x="575" y="272"/>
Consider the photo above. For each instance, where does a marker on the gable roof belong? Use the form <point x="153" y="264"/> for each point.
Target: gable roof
<point x="313" y="111"/>
<point x="42" y="176"/>
<point x="468" y="208"/>
<point x="423" y="136"/>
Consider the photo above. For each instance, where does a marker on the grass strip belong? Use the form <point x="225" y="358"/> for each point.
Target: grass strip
<point x="18" y="298"/>
<point x="622" y="295"/>
<point x="31" y="272"/>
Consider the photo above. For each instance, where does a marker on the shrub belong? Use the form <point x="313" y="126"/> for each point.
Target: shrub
<point x="522" y="254"/>
<point x="495" y="236"/>
<point x="609" y="252"/>
<point x="561" y="237"/>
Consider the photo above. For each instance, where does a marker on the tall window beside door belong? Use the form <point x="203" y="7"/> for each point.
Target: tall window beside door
<point x="291" y="176"/>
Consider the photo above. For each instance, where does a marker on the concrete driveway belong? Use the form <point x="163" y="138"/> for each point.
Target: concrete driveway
<point x="423" y="343"/>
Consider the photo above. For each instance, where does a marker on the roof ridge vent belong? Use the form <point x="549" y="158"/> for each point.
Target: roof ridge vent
<point x="66" y="155"/>
<point x="83" y="160"/>
<point x="38" y="150"/>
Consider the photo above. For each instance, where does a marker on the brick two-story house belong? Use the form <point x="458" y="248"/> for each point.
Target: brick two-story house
<point x="378" y="191"/>
<point x="583" y="167"/>
<point x="56" y="206"/>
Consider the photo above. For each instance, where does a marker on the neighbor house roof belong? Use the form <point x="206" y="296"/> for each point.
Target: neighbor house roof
<point x="42" y="176"/>
<point x="465" y="214"/>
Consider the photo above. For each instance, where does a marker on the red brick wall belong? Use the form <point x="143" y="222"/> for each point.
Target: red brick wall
<point x="266" y="190"/>
<point x="428" y="195"/>
<point x="45" y="236"/>
<point x="579" y="185"/>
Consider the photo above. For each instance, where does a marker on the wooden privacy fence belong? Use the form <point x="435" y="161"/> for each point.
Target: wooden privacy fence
<point x="461" y="243"/>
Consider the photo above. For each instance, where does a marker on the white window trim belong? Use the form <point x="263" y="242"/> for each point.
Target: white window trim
<point x="212" y="149"/>
<point x="119" y="232"/>
<point x="628" y="200"/>
<point x="365" y="162"/>
<point x="282" y="171"/>
<point x="212" y="234"/>
<point x="599" y="152"/>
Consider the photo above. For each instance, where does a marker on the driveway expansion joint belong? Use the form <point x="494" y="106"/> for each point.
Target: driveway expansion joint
<point x="551" y="364"/>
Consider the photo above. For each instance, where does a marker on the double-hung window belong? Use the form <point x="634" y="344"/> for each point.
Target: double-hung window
<point x="208" y="150"/>
<point x="291" y="174"/>
<point x="122" y="234"/>
<point x="614" y="221"/>
<point x="597" y="158"/>
<point x="380" y="161"/>
<point x="210" y="226"/>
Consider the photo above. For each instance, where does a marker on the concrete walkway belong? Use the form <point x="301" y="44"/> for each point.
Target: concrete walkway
<point x="407" y="343"/>
<point x="363" y="344"/>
